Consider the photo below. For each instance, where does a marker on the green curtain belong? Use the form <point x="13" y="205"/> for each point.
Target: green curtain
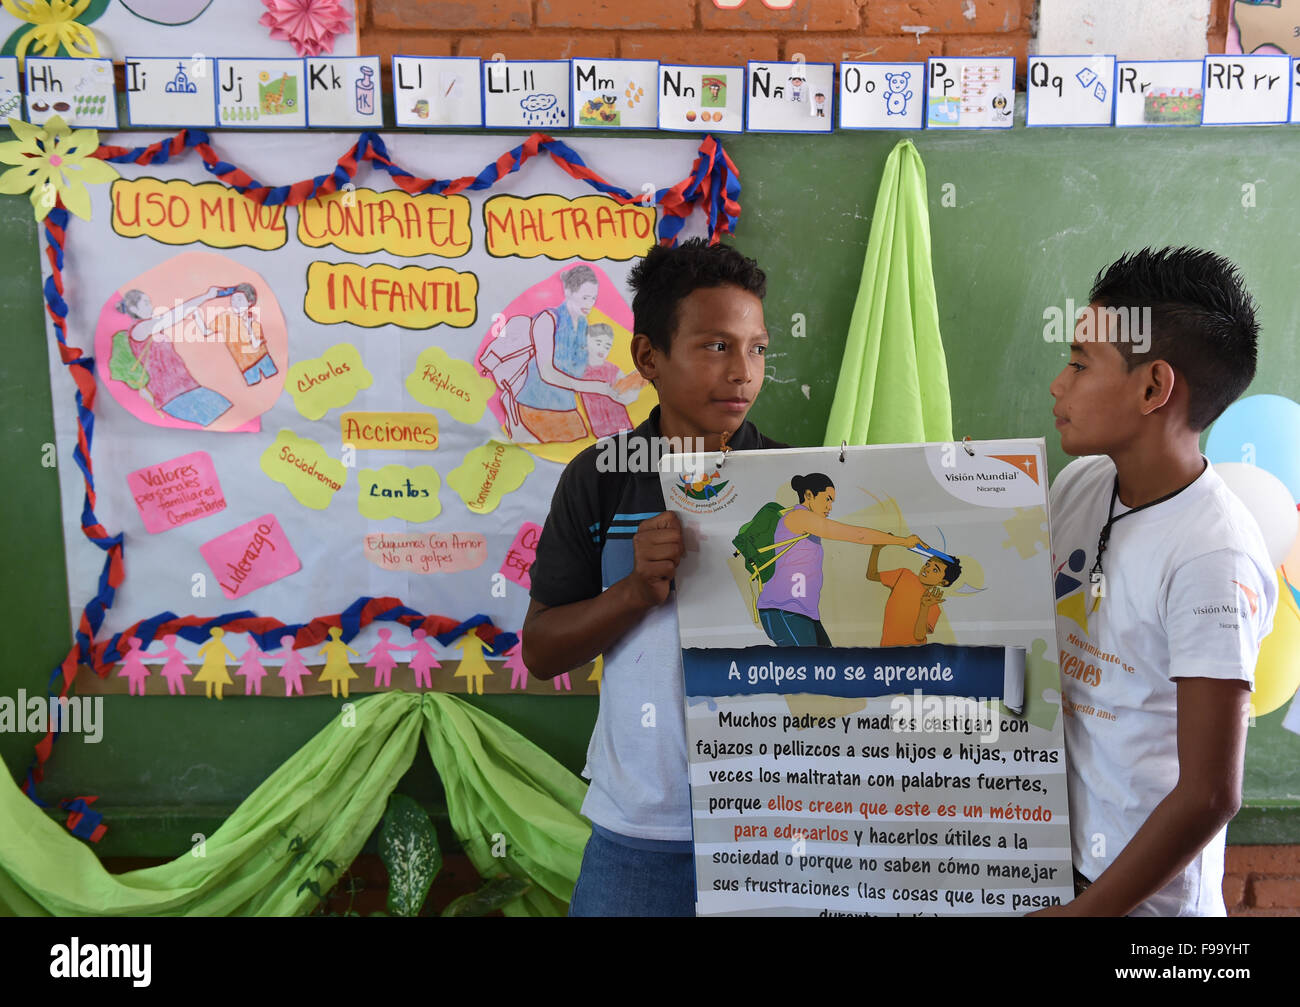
<point x="502" y="791"/>
<point x="893" y="386"/>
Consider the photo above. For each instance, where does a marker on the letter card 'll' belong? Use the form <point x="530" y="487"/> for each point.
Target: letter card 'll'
<point x="872" y="698"/>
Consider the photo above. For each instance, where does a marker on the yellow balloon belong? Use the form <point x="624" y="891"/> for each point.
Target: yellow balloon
<point x="1277" y="673"/>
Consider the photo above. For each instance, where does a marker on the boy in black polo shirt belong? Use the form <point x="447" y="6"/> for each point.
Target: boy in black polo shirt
<point x="602" y="579"/>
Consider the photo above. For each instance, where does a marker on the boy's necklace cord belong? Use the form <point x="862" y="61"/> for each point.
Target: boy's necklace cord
<point x="1112" y="517"/>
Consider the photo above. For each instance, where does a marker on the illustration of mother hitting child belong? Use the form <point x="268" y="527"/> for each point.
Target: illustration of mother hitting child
<point x="789" y="604"/>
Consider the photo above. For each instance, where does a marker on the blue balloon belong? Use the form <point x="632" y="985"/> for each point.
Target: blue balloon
<point x="1268" y="426"/>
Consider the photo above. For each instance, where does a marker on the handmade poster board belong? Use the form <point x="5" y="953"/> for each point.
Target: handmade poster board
<point x="848" y="751"/>
<point x="361" y="401"/>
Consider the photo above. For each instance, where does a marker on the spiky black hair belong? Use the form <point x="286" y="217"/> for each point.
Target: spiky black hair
<point x="1202" y="321"/>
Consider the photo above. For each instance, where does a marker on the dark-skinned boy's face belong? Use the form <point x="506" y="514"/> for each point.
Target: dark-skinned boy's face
<point x="1098" y="399"/>
<point x="714" y="373"/>
<point x="932" y="572"/>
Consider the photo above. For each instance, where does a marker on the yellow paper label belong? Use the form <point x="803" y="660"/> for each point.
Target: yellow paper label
<point x="588" y="227"/>
<point x="180" y="213"/>
<point x="390" y="431"/>
<point x="396" y="222"/>
<point x="489" y="473"/>
<point x="333" y="379"/>
<point x="411" y="297"/>
<point x="398" y="491"/>
<point x="305" y="468"/>
<point x="441" y="382"/>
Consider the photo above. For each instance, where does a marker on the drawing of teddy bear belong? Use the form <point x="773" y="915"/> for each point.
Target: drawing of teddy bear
<point x="896" y="98"/>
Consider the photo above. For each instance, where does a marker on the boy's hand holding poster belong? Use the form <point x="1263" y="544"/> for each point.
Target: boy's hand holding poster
<point x="868" y="639"/>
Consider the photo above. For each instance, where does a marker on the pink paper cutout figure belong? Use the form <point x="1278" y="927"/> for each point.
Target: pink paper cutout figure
<point x="251" y="668"/>
<point x="423" y="660"/>
<point x="134" y="669"/>
<point x="175" y="669"/>
<point x="293" y="671"/>
<point x="515" y="665"/>
<point x="382" y="660"/>
<point x="563" y="679"/>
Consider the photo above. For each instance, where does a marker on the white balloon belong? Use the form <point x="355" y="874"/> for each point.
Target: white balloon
<point x="1269" y="501"/>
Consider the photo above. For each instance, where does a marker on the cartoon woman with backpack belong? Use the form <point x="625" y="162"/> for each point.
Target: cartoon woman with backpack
<point x="783" y="552"/>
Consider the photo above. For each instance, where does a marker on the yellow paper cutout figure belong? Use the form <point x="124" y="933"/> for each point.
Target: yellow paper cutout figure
<point x="337" y="670"/>
<point x="215" y="654"/>
<point x="597" y="671"/>
<point x="473" y="668"/>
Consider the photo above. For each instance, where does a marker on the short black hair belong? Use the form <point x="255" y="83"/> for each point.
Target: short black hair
<point x="666" y="275"/>
<point x="1202" y="321"/>
<point x="951" y="570"/>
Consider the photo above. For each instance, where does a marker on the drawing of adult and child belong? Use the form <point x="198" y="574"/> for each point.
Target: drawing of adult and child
<point x="144" y="358"/>
<point x="543" y="364"/>
<point x="790" y="567"/>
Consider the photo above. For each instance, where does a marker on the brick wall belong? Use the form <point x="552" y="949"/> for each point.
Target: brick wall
<point x="696" y="31"/>
<point x="1262" y="881"/>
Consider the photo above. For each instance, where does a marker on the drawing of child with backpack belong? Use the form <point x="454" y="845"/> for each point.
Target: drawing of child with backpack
<point x="782" y="548"/>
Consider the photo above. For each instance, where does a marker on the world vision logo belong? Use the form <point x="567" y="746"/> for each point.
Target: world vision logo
<point x="1028" y="464"/>
<point x="703" y="494"/>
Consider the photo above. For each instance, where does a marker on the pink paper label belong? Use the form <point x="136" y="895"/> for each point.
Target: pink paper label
<point x="522" y="552"/>
<point x="176" y="492"/>
<point x="435" y="552"/>
<point x="251" y="556"/>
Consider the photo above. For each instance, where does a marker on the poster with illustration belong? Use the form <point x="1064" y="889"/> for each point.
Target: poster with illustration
<point x="970" y="93"/>
<point x="615" y="93"/>
<point x="702" y="98"/>
<point x="357" y="404"/>
<point x="526" y="94"/>
<point x="873" y="709"/>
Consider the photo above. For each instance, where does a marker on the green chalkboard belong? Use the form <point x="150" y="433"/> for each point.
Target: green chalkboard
<point x="1033" y="214"/>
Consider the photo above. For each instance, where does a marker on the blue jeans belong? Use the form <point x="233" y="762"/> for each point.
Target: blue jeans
<point x="263" y="368"/>
<point x="790" y="629"/>
<point x="618" y="880"/>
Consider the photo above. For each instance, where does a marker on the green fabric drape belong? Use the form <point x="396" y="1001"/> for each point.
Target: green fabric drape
<point x="893" y="385"/>
<point x="504" y="794"/>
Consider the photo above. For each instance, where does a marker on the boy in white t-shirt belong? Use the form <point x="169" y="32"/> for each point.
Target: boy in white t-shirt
<point x="1163" y="584"/>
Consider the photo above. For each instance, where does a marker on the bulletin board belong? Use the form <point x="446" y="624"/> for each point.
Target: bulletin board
<point x="1020" y="220"/>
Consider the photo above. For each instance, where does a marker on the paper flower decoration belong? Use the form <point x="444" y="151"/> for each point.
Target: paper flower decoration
<point x="54" y="163"/>
<point x="54" y="24"/>
<point x="309" y="24"/>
